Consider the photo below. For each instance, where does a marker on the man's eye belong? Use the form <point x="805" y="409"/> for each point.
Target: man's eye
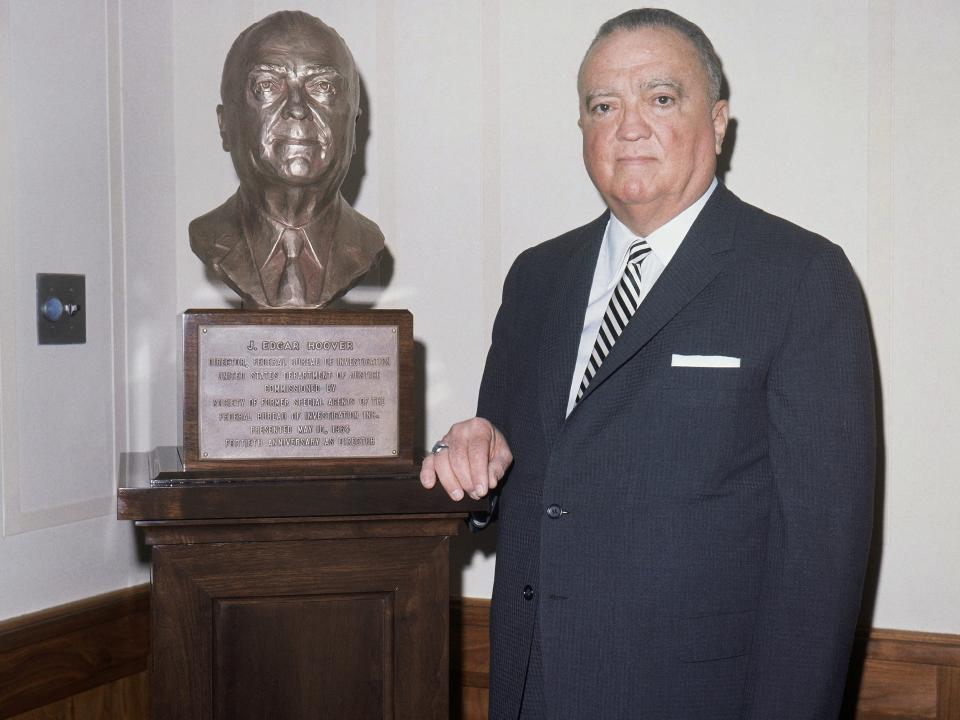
<point x="664" y="100"/>
<point x="600" y="109"/>
<point x="266" y="88"/>
<point x="321" y="87"/>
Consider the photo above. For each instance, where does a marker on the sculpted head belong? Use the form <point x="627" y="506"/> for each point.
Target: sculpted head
<point x="651" y="115"/>
<point x="290" y="101"/>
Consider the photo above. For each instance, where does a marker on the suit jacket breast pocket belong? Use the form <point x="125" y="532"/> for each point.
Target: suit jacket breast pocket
<point x="706" y="386"/>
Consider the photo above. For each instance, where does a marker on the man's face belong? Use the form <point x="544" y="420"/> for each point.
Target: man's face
<point x="650" y="133"/>
<point x="293" y="107"/>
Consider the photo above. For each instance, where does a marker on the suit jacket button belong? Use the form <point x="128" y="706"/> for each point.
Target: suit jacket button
<point x="554" y="511"/>
<point x="527" y="593"/>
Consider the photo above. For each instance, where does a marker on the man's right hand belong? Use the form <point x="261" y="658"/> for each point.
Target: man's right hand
<point x="476" y="458"/>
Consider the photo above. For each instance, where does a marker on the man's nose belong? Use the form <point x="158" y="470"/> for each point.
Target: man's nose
<point x="633" y="124"/>
<point x="294" y="107"/>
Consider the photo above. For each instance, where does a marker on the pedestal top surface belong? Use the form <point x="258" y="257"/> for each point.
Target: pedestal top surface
<point x="151" y="487"/>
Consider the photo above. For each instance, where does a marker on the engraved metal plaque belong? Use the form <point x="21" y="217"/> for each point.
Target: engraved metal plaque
<point x="288" y="391"/>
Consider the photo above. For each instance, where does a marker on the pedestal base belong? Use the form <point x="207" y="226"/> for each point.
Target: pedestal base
<point x="332" y="606"/>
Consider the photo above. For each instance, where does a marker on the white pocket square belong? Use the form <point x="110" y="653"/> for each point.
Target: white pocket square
<point x="712" y="361"/>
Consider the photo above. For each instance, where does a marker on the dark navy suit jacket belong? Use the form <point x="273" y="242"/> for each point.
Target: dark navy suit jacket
<point x="706" y="555"/>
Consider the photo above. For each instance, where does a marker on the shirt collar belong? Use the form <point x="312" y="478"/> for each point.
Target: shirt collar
<point x="260" y="225"/>
<point x="664" y="241"/>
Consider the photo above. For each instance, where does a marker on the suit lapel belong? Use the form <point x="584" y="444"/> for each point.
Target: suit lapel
<point x="564" y="323"/>
<point x="701" y="256"/>
<point x="237" y="265"/>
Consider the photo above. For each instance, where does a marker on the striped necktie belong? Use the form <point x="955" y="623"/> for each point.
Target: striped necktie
<point x="623" y="304"/>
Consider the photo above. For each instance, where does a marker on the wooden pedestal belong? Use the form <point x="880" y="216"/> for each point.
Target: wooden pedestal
<point x="298" y="598"/>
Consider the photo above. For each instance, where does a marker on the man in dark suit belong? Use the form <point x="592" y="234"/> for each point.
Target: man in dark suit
<point x="677" y="415"/>
<point x="287" y="238"/>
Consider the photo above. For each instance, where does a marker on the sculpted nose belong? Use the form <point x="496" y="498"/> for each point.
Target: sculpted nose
<point x="294" y="107"/>
<point x="633" y="125"/>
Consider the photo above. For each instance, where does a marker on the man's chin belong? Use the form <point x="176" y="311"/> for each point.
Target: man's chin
<point x="297" y="169"/>
<point x="633" y="194"/>
<point x="296" y="172"/>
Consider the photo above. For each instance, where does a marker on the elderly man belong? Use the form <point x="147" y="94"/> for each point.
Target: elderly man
<point x="291" y="99"/>
<point x="677" y="416"/>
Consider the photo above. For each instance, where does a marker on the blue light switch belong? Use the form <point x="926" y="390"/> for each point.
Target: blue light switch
<point x="61" y="309"/>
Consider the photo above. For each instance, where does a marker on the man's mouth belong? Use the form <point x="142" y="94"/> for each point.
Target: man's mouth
<point x="288" y="140"/>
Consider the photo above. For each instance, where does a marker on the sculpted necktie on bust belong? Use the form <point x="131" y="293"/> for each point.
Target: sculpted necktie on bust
<point x="291" y="290"/>
<point x="623" y="304"/>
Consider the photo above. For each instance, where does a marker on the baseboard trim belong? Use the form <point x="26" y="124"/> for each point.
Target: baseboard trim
<point x="60" y="652"/>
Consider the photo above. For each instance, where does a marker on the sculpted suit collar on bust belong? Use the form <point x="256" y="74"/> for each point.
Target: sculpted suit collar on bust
<point x="239" y="244"/>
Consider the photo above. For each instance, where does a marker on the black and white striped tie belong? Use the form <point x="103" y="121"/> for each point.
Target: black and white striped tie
<point x="623" y="304"/>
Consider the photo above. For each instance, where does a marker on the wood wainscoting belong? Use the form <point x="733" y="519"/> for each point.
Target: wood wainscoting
<point x="84" y="660"/>
<point x="87" y="661"/>
<point x="904" y="675"/>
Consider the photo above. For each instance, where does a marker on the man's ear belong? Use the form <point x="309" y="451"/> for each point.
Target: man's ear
<point x="223" y="128"/>
<point x="356" y="124"/>
<point x="721" y="116"/>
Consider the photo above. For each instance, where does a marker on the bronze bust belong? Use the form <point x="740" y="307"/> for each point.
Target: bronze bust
<point x="290" y="96"/>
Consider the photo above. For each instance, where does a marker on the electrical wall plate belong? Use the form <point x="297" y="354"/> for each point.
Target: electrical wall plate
<point x="61" y="309"/>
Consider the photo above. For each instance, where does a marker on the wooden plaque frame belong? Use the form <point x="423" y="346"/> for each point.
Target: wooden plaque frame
<point x="190" y="457"/>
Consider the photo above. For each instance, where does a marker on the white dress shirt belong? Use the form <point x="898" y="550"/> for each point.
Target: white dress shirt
<point x="617" y="239"/>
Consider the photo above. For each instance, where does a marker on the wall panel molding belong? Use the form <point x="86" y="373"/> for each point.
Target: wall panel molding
<point x="118" y="307"/>
<point x="30" y="498"/>
<point x="19" y="521"/>
<point x="9" y="432"/>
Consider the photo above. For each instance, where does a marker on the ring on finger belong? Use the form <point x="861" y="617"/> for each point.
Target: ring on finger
<point x="438" y="447"/>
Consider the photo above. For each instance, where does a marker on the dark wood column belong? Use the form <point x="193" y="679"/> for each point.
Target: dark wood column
<point x="295" y="597"/>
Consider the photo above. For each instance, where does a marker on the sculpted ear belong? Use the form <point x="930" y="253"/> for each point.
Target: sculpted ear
<point x="223" y="128"/>
<point x="356" y="124"/>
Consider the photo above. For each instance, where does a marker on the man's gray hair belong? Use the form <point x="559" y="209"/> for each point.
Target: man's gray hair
<point x="658" y="17"/>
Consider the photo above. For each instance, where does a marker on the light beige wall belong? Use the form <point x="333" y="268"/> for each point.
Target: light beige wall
<point x="61" y="409"/>
<point x="918" y="326"/>
<point x="845" y="124"/>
